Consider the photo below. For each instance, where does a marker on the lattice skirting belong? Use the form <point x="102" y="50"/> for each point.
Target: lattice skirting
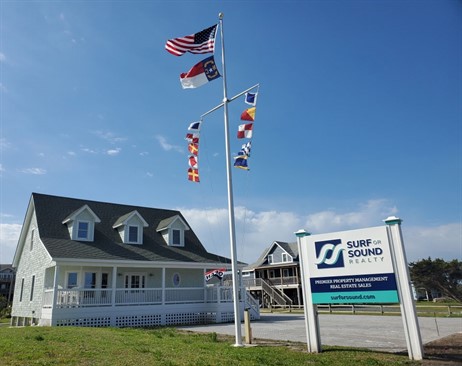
<point x="149" y="320"/>
<point x="85" y="322"/>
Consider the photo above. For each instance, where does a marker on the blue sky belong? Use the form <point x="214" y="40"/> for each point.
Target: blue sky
<point x="358" y="116"/>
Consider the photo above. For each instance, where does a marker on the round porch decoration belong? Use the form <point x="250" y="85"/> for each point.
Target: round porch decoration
<point x="176" y="279"/>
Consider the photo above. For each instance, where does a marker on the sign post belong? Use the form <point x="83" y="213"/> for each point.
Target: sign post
<point x="408" y="311"/>
<point x="358" y="266"/>
<point x="313" y="335"/>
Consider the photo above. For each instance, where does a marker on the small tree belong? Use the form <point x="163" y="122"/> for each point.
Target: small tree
<point x="4" y="308"/>
<point x="437" y="274"/>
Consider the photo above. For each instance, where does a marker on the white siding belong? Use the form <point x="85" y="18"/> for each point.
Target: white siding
<point x="32" y="263"/>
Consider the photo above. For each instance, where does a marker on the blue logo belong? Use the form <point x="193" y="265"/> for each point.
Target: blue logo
<point x="329" y="254"/>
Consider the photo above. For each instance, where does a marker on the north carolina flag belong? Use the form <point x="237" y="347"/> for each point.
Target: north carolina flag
<point x="193" y="163"/>
<point x="193" y="175"/>
<point x="195" y="126"/>
<point x="245" y="131"/>
<point x="193" y="148"/>
<point x="251" y="98"/>
<point x="200" y="74"/>
<point x="249" y="114"/>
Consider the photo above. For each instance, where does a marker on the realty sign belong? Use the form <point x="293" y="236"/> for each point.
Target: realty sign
<point x="350" y="267"/>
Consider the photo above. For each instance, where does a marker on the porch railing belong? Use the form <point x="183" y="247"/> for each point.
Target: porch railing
<point x="275" y="281"/>
<point x="145" y="296"/>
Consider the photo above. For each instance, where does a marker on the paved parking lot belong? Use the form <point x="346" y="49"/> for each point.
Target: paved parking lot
<point x="382" y="333"/>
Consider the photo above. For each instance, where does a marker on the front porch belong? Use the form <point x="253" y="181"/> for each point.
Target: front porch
<point x="133" y="296"/>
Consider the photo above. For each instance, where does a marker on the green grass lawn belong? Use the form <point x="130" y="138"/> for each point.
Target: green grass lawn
<point x="164" y="346"/>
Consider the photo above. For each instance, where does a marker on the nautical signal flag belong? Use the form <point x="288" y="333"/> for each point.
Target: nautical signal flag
<point x="251" y="98"/>
<point x="193" y="148"/>
<point x="201" y="42"/>
<point x="192" y="137"/>
<point x="200" y="74"/>
<point x="240" y="161"/>
<point x="193" y="175"/>
<point x="246" y="148"/>
<point x="245" y="131"/>
<point x="195" y="126"/>
<point x="193" y="162"/>
<point x="249" y="114"/>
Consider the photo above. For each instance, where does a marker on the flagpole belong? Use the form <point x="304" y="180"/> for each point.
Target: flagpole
<point x="232" y="238"/>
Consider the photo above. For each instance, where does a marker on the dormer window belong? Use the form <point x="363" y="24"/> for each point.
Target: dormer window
<point x="173" y="230"/>
<point x="286" y="258"/>
<point x="130" y="228"/>
<point x="81" y="224"/>
<point x="176" y="237"/>
<point x="82" y="230"/>
<point x="133" y="234"/>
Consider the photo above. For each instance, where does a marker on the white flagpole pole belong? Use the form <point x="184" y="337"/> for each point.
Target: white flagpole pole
<point x="237" y="310"/>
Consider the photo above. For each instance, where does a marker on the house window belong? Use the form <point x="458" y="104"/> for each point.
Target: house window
<point x="32" y="288"/>
<point x="133" y="234"/>
<point x="286" y="272"/>
<point x="135" y="281"/>
<point x="270" y="259"/>
<point x="176" y="237"/>
<point x="72" y="278"/>
<point x="22" y="290"/>
<point x="286" y="258"/>
<point x="82" y="229"/>
<point x="32" y="234"/>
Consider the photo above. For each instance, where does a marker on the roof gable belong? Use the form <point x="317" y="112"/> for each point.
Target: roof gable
<point x="123" y="220"/>
<point x="76" y="213"/>
<point x="171" y="221"/>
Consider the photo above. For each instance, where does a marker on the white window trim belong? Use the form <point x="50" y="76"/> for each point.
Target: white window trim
<point x="139" y="234"/>
<point x="288" y="256"/>
<point x="67" y="279"/>
<point x="170" y="236"/>
<point x="87" y="238"/>
<point x="270" y="259"/>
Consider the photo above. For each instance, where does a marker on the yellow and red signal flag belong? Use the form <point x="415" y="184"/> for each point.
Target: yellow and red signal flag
<point x="193" y="148"/>
<point x="193" y="175"/>
<point x="249" y="114"/>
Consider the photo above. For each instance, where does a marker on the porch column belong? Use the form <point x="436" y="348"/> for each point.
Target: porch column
<point x="114" y="286"/>
<point x="55" y="287"/>
<point x="163" y="285"/>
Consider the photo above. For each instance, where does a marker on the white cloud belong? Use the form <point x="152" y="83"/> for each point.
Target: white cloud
<point x="167" y="146"/>
<point x="88" y="150"/>
<point x="71" y="153"/>
<point x="2" y="169"/>
<point x="4" y="144"/>
<point x="3" y="88"/>
<point x="109" y="136"/>
<point x="255" y="231"/>
<point x="2" y="57"/>
<point x="9" y="235"/>
<point x="34" y="171"/>
<point x="114" y="152"/>
<point x="443" y="241"/>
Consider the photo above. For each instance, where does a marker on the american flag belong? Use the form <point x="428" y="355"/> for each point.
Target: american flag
<point x="202" y="42"/>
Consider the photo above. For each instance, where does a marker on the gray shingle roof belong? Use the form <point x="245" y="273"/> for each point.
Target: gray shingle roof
<point x="107" y="244"/>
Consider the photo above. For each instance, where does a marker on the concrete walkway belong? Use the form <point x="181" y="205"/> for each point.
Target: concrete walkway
<point x="381" y="333"/>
